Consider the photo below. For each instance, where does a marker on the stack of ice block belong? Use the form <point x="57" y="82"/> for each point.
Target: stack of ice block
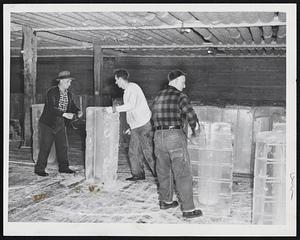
<point x="36" y="111"/>
<point x="211" y="156"/>
<point x="102" y="146"/>
<point x="269" y="178"/>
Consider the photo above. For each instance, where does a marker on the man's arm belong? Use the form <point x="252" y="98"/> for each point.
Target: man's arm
<point x="187" y="109"/>
<point x="73" y="107"/>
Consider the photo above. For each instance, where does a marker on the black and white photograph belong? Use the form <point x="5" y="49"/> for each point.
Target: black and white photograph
<point x="149" y="120"/>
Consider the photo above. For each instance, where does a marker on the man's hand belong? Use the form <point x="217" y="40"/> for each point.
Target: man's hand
<point x="68" y="115"/>
<point x="196" y="131"/>
<point x="79" y="114"/>
<point x="108" y="109"/>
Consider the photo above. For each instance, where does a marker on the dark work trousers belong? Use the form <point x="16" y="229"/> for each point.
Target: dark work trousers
<point x="173" y="163"/>
<point x="141" y="147"/>
<point x="47" y="137"/>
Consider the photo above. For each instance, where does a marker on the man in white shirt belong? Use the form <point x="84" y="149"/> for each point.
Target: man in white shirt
<point x="138" y="117"/>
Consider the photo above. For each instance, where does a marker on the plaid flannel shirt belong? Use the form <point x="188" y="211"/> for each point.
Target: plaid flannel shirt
<point x="171" y="107"/>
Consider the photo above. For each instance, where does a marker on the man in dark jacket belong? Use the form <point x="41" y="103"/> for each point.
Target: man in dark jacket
<point x="59" y="107"/>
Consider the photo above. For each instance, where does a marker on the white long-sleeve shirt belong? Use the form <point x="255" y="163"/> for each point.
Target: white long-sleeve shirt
<point x="135" y="105"/>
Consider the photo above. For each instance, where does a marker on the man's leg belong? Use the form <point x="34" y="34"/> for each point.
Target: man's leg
<point x="163" y="169"/>
<point x="46" y="139"/>
<point x="136" y="155"/>
<point x="182" y="174"/>
<point x="146" y="140"/>
<point x="61" y="146"/>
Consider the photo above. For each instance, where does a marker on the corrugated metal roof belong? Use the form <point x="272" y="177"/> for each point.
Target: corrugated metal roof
<point x="153" y="33"/>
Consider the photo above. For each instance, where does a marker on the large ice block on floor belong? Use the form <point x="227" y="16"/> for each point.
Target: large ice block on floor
<point x="269" y="178"/>
<point x="211" y="156"/>
<point x="36" y="112"/>
<point x="102" y="145"/>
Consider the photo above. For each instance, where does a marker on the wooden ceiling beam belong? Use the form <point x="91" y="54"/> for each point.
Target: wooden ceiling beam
<point x="169" y="46"/>
<point x="197" y="46"/>
<point x="162" y="56"/>
<point x="195" y="24"/>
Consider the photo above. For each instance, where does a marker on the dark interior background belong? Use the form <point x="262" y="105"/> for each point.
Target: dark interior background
<point x="248" y="81"/>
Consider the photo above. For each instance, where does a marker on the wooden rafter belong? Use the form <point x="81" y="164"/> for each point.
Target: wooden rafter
<point x="195" y="24"/>
<point x="167" y="46"/>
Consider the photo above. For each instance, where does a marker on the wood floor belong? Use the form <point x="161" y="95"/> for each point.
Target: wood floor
<point x="68" y="198"/>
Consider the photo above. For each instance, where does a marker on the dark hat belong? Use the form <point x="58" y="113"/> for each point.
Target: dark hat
<point x="64" y="75"/>
<point x="175" y="74"/>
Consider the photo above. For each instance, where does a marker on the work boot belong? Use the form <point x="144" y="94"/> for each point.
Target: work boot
<point x="41" y="173"/>
<point x="195" y="213"/>
<point x="68" y="170"/>
<point x="164" y="205"/>
<point x="135" y="178"/>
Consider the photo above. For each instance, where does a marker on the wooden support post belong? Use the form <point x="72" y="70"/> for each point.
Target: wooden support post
<point x="29" y="58"/>
<point x="98" y="66"/>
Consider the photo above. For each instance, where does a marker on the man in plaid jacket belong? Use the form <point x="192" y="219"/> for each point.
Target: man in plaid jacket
<point x="169" y="109"/>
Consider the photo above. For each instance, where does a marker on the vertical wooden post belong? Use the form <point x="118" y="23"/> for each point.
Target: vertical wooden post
<point x="29" y="58"/>
<point x="98" y="66"/>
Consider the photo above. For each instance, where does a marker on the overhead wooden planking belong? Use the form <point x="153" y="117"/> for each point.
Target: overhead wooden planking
<point x="266" y="16"/>
<point x="178" y="37"/>
<point x="236" y="36"/>
<point x="267" y="34"/>
<point x="201" y="16"/>
<point x="166" y="35"/>
<point x="207" y="35"/>
<point x="146" y="36"/>
<point x="237" y="17"/>
<point x="157" y="35"/>
<point x="167" y="18"/>
<point x="68" y="19"/>
<point x="152" y="20"/>
<point x="190" y="34"/>
<point x="183" y="16"/>
<point x="27" y="21"/>
<point x="107" y="29"/>
<point x="246" y="35"/>
<point x="106" y="19"/>
<point x="281" y="35"/>
<point x="213" y="18"/>
<point x="222" y="35"/>
<point x="250" y="17"/>
<point x="225" y="17"/>
<point x="58" y="39"/>
<point x="256" y="34"/>
<point x="92" y="20"/>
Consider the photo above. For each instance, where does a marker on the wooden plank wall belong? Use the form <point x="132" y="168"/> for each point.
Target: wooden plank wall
<point x="245" y="81"/>
<point x="242" y="81"/>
